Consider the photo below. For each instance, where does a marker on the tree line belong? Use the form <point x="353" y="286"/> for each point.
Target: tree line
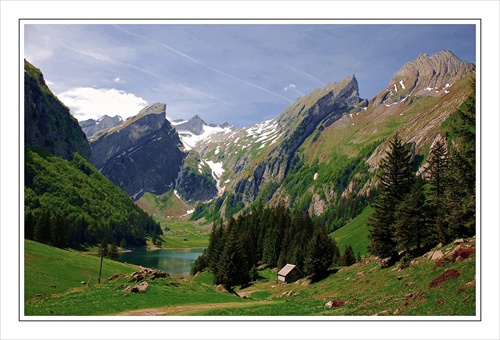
<point x="417" y="212"/>
<point x="271" y="236"/>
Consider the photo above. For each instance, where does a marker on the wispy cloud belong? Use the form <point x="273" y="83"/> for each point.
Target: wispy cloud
<point x="104" y="58"/>
<point x="225" y="74"/>
<point x="308" y="75"/>
<point x="157" y="42"/>
<point x="86" y="102"/>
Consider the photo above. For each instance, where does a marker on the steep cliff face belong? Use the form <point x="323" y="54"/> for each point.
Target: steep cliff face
<point x="47" y="121"/>
<point x="308" y="114"/>
<point x="142" y="154"/>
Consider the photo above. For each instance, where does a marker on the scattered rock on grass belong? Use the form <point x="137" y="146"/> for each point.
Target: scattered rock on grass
<point x="447" y="275"/>
<point x="384" y="312"/>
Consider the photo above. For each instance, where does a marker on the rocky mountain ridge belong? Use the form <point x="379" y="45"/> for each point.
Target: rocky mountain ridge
<point x="94" y="126"/>
<point x="334" y="122"/>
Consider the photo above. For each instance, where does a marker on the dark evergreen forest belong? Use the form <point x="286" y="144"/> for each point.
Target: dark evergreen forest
<point x="71" y="204"/>
<point x="271" y="236"/>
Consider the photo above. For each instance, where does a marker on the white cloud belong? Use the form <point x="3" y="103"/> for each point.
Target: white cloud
<point x="87" y="102"/>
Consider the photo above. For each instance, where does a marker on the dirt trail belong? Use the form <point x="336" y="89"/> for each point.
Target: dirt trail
<point x="176" y="310"/>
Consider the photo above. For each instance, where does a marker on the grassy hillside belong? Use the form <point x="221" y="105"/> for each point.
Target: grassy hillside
<point x="354" y="233"/>
<point x="49" y="270"/>
<point x="70" y="203"/>
<point x="168" y="210"/>
<point x="163" y="206"/>
<point x="422" y="289"/>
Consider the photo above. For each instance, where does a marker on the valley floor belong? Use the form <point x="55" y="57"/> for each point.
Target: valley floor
<point x="440" y="283"/>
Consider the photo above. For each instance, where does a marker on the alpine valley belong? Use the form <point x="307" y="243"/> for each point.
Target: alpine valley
<point x="150" y="182"/>
<point x="317" y="155"/>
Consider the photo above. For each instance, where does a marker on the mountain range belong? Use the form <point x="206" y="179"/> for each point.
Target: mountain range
<point x="319" y="153"/>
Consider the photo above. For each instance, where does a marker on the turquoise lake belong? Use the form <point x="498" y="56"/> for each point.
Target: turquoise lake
<point x="176" y="262"/>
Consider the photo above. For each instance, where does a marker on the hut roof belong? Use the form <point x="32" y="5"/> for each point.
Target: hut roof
<point x="286" y="269"/>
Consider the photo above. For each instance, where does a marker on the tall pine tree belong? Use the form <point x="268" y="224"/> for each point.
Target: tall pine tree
<point x="460" y="194"/>
<point x="396" y="178"/>
<point x="437" y="177"/>
<point x="232" y="269"/>
<point x="411" y="219"/>
<point x="319" y="252"/>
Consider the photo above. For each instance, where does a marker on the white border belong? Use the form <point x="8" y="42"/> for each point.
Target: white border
<point x="487" y="11"/>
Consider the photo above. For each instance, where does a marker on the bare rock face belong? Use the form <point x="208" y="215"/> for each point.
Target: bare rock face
<point x="142" y="154"/>
<point x="317" y="110"/>
<point x="195" y="125"/>
<point x="432" y="72"/>
<point x="426" y="76"/>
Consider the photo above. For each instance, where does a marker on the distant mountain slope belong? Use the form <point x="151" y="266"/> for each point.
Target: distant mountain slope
<point x="47" y="121"/>
<point x="93" y="126"/>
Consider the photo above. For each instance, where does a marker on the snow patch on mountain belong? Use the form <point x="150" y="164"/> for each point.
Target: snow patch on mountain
<point x="190" y="139"/>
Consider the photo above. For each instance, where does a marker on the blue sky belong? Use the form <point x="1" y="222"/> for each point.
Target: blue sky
<point x="237" y="73"/>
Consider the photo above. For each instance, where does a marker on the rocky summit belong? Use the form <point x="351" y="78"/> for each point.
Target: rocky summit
<point x="142" y="154"/>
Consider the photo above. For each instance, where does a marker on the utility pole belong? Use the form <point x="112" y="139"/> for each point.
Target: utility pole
<point x="101" y="251"/>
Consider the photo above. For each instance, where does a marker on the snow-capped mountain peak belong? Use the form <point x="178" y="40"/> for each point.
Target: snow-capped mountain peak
<point x="195" y="130"/>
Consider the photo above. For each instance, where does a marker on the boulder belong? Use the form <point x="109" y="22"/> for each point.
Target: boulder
<point x="334" y="303"/>
<point x="141" y="287"/>
<point x="438" y="254"/>
<point x="384" y="263"/>
<point x="158" y="274"/>
<point x="221" y="288"/>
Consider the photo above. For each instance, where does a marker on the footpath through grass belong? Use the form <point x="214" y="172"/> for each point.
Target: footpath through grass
<point x="427" y="287"/>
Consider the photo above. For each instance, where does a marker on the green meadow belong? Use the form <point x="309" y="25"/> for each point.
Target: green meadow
<point x="53" y="287"/>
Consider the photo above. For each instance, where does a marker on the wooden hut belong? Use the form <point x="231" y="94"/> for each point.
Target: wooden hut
<point x="289" y="273"/>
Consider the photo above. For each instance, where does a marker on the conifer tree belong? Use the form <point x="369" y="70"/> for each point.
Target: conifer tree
<point x="460" y="194"/>
<point x="319" y="256"/>
<point x="347" y="258"/>
<point x="113" y="251"/>
<point x="396" y="179"/>
<point x="411" y="219"/>
<point x="103" y="247"/>
<point x="437" y="177"/>
<point x="215" y="246"/>
<point x="232" y="269"/>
